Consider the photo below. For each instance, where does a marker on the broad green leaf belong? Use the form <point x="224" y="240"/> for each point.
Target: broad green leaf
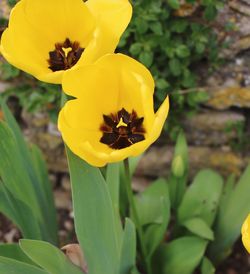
<point x="19" y="181"/>
<point x="13" y="251"/>
<point x="128" y="251"/>
<point x="48" y="257"/>
<point x="199" y="228"/>
<point x="153" y="206"/>
<point x="201" y="199"/>
<point x="207" y="267"/>
<point x="133" y="162"/>
<point x="228" y="189"/>
<point x="46" y="196"/>
<point x="149" y="204"/>
<point x="113" y="182"/>
<point x="154" y="233"/>
<point x="10" y="266"/>
<point x="95" y="221"/>
<point x="37" y="187"/>
<point x="7" y="207"/>
<point x="230" y="218"/>
<point x="180" y="256"/>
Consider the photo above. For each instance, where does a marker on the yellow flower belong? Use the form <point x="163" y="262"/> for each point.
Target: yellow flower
<point x="47" y="37"/>
<point x="245" y="231"/>
<point x="113" y="116"/>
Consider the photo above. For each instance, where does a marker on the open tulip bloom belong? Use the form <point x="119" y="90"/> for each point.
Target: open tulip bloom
<point x="47" y="37"/>
<point x="113" y="116"/>
<point x="245" y="231"/>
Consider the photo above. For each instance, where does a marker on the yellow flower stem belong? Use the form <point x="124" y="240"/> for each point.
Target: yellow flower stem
<point x="128" y="185"/>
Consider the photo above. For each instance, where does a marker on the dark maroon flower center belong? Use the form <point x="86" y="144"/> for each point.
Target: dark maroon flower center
<point x="65" y="55"/>
<point x="122" y="129"/>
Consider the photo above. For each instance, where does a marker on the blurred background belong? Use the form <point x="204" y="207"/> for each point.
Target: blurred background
<point x="199" y="54"/>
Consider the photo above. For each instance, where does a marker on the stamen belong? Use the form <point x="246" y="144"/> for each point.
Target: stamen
<point x="66" y="51"/>
<point x="122" y="129"/>
<point x="121" y="124"/>
<point x="65" y="55"/>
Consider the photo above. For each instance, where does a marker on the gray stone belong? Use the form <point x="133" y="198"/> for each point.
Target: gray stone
<point x="213" y="127"/>
<point x="157" y="161"/>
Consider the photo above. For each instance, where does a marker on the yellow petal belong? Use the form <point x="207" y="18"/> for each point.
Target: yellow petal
<point x="245" y="231"/>
<point x="114" y="82"/>
<point x="36" y="26"/>
<point x="115" y="13"/>
<point x="60" y="19"/>
<point x="136" y="90"/>
<point x="112" y="18"/>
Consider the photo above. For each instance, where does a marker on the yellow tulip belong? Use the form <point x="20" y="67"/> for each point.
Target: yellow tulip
<point x="47" y="37"/>
<point x="113" y="116"/>
<point x="245" y="231"/>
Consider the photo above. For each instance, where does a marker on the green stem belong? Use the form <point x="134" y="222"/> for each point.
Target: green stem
<point x="128" y="185"/>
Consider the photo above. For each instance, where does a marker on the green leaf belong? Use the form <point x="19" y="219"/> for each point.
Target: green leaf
<point x="17" y="182"/>
<point x="128" y="251"/>
<point x="154" y="233"/>
<point x="174" y="4"/>
<point x="180" y="256"/>
<point x="30" y="183"/>
<point x="179" y="26"/>
<point x="156" y="27"/>
<point x="113" y="182"/>
<point x="49" y="257"/>
<point x="198" y="227"/>
<point x="146" y="57"/>
<point x="135" y="49"/>
<point x="141" y="25"/>
<point x="175" y="67"/>
<point x="11" y="266"/>
<point x="207" y="267"/>
<point x="46" y="195"/>
<point x="13" y="251"/>
<point x="95" y="222"/>
<point x="201" y="200"/>
<point x="232" y="213"/>
<point x="8" y="72"/>
<point x="149" y="205"/>
<point x="182" y="51"/>
<point x="153" y="206"/>
<point x="162" y="84"/>
<point x="210" y="12"/>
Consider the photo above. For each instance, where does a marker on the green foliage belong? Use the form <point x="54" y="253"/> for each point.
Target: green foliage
<point x="233" y="209"/>
<point x="180" y="256"/>
<point x="8" y="265"/>
<point x="25" y="190"/>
